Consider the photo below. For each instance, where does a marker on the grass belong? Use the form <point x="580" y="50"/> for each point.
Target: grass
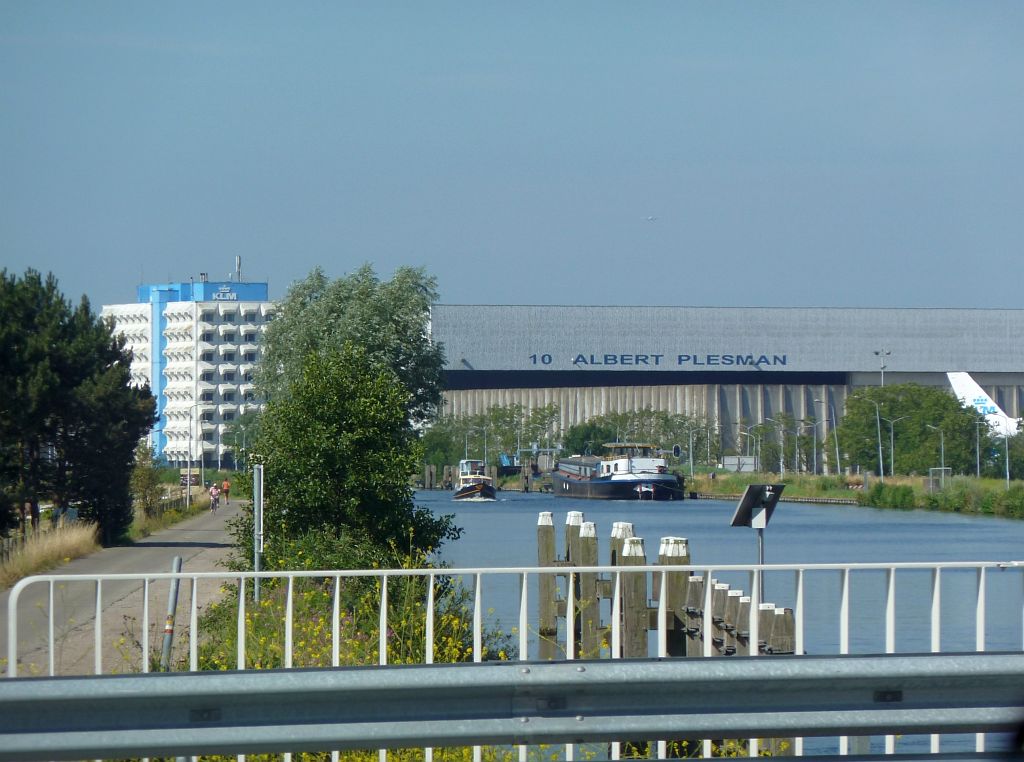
<point x="45" y="550"/>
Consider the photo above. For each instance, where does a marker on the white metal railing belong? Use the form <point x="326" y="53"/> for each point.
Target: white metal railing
<point x="943" y="607"/>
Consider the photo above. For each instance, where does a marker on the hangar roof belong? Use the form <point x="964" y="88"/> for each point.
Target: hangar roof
<point x="787" y="339"/>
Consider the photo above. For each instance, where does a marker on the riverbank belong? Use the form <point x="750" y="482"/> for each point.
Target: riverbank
<point x="959" y="494"/>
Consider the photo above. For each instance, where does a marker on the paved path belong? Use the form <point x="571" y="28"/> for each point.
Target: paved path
<point x="203" y="544"/>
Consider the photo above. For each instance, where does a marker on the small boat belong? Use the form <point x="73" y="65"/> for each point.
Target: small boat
<point x="630" y="471"/>
<point x="472" y="483"/>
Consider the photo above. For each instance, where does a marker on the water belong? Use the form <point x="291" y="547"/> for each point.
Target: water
<point x="503" y="534"/>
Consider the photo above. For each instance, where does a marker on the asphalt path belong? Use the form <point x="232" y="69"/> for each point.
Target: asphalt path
<point x="203" y="544"/>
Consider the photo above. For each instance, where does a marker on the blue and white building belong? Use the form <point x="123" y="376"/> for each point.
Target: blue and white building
<point x="196" y="344"/>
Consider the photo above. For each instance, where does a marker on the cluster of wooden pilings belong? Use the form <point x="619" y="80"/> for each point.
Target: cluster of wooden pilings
<point x="726" y="624"/>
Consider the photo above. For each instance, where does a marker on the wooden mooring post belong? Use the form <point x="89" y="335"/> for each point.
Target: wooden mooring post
<point x="725" y="622"/>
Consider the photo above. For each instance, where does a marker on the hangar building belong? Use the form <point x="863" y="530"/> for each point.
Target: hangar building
<point x="727" y="366"/>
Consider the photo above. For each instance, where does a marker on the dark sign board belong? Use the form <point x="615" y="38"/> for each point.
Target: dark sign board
<point x="756" y="506"/>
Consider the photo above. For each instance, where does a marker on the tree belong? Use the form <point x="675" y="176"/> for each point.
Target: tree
<point x="935" y="429"/>
<point x="339" y="454"/>
<point x="70" y="421"/>
<point x="145" y="481"/>
<point x="387" y="319"/>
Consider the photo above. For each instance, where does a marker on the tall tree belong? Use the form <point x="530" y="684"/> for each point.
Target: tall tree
<point x="339" y="454"/>
<point x="70" y="421"/>
<point x="388" y="319"/>
<point x="930" y="428"/>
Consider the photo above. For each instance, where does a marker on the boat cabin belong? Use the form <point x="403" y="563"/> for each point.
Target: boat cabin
<point x="632" y="457"/>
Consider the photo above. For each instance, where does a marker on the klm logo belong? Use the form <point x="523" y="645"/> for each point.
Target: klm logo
<point x="985" y="406"/>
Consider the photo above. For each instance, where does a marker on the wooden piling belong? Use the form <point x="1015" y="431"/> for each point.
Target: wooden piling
<point x="694" y="614"/>
<point x="732" y="621"/>
<point x="547" y="624"/>
<point x="634" y="600"/>
<point x="743" y="627"/>
<point x="719" y="595"/>
<point x="765" y="625"/>
<point x="589" y="600"/>
<point x="783" y="639"/>
<point x="674" y="551"/>
<point x="621" y="531"/>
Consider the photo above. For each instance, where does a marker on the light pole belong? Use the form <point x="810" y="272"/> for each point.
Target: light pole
<point x="782" y="446"/>
<point x="942" y="455"/>
<point x="835" y="434"/>
<point x="977" y="446"/>
<point x="878" y="429"/>
<point x="814" y="443"/>
<point x="188" y="476"/>
<point x="689" y="453"/>
<point x="892" y="447"/>
<point x="882" y="354"/>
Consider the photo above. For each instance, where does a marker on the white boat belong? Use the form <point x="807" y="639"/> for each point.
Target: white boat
<point x="473" y="484"/>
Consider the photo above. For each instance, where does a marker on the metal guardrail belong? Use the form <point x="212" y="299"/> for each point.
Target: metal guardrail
<point x="501" y="703"/>
<point x="933" y="596"/>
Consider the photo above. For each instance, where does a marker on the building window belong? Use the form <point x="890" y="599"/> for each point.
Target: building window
<point x="206" y="376"/>
<point x="206" y="317"/>
<point x="247" y="376"/>
<point x="208" y="436"/>
<point x="229" y="357"/>
<point x="228" y="396"/>
<point x="206" y="397"/>
<point x="249" y="336"/>
<point x="249" y="357"/>
<point x="229" y="337"/>
<point x="229" y="416"/>
<point x="229" y="317"/>
<point x="228" y="375"/>
<point x="206" y="336"/>
<point x="250" y="396"/>
<point x="206" y="357"/>
<point x="208" y="417"/>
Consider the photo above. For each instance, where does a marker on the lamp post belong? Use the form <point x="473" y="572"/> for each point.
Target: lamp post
<point x="881" y="354"/>
<point x="835" y="434"/>
<point x="942" y="455"/>
<point x="892" y="447"/>
<point x="814" y="443"/>
<point x="977" y="446"/>
<point x="689" y="453"/>
<point x="878" y="429"/>
<point x="782" y="446"/>
<point x="188" y="474"/>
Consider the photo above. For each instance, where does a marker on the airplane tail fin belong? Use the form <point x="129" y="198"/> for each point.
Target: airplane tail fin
<point x="971" y="394"/>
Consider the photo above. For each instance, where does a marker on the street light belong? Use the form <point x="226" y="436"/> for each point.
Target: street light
<point x="878" y="429"/>
<point x="892" y="447"/>
<point x="188" y="475"/>
<point x="882" y="354"/>
<point x="835" y="434"/>
<point x="782" y="446"/>
<point x="814" y="442"/>
<point x="942" y="455"/>
<point x="977" y="446"/>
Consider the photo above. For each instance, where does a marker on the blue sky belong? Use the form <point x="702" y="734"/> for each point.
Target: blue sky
<point x="677" y="153"/>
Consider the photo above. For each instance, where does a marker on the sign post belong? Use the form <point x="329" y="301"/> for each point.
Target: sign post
<point x="257" y="523"/>
<point x="755" y="510"/>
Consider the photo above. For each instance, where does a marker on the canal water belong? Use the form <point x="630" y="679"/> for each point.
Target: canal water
<point x="503" y="534"/>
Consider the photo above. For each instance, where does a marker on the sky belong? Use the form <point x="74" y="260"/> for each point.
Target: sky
<point x="839" y="154"/>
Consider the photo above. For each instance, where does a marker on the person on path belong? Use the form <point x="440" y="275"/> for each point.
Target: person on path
<point x="214" y="497"/>
<point x="225" y="489"/>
